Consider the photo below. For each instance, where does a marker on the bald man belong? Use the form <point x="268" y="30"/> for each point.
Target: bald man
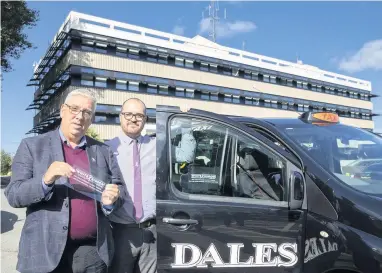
<point x="134" y="225"/>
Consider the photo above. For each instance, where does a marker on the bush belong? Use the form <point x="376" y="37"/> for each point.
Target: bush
<point x="6" y="163"/>
<point x="93" y="133"/>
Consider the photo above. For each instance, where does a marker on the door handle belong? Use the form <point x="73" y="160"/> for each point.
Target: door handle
<point x="174" y="221"/>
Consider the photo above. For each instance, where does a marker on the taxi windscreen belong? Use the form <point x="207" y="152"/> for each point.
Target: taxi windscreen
<point x="352" y="154"/>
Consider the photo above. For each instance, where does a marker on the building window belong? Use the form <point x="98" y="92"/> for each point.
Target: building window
<point x="266" y="78"/>
<point x="190" y="93"/>
<point x="151" y="57"/>
<point x="121" y="84"/>
<point x="209" y="92"/>
<point x="189" y="63"/>
<point x="214" y="68"/>
<point x="214" y="96"/>
<point x="134" y="86"/>
<point x="179" y="92"/>
<point x="99" y="119"/>
<point x="227" y="71"/>
<point x="205" y="95"/>
<point x="102" y="50"/>
<point x="122" y="51"/>
<point x="133" y="54"/>
<point x="163" y="90"/>
<point x="179" y="62"/>
<point x="247" y="75"/>
<point x="100" y="82"/>
<point x="227" y="98"/>
<point x="248" y="101"/>
<point x="87" y="80"/>
<point x="204" y="66"/>
<point x="152" y="89"/>
<point x="163" y="59"/>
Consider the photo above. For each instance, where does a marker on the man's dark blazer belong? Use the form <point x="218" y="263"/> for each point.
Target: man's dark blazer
<point x="45" y="230"/>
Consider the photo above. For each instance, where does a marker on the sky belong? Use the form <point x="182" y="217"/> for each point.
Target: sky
<point x="341" y="37"/>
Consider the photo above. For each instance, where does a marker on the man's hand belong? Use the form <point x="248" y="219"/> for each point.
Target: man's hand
<point x="184" y="108"/>
<point x="56" y="170"/>
<point x="110" y="194"/>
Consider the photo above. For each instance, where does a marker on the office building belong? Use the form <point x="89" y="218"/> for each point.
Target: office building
<point x="119" y="61"/>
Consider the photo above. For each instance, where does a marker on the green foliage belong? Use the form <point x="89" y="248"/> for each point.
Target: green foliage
<point x="6" y="163"/>
<point x="15" y="16"/>
<point x="93" y="133"/>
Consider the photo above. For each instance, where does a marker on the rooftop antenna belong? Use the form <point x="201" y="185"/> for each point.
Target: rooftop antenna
<point x="298" y="59"/>
<point x="213" y="10"/>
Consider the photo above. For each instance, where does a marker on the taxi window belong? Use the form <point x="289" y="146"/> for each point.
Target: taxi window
<point x="224" y="163"/>
<point x="351" y="154"/>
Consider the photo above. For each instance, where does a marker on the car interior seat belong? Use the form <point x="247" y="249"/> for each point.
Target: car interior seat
<point x="251" y="182"/>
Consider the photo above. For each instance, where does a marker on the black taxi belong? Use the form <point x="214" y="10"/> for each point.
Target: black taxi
<point x="268" y="195"/>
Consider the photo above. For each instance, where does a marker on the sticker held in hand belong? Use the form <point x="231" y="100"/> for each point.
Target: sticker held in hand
<point x="86" y="184"/>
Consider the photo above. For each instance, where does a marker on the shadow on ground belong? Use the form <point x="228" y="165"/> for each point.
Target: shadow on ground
<point x="5" y="181"/>
<point x="8" y="220"/>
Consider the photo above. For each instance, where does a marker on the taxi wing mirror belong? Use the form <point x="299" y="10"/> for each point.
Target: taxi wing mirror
<point x="296" y="190"/>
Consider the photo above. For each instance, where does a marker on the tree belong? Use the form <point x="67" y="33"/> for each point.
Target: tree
<point x="6" y="162"/>
<point x="15" y="16"/>
<point x="93" y="133"/>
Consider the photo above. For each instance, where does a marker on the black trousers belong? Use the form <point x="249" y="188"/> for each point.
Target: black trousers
<point x="81" y="257"/>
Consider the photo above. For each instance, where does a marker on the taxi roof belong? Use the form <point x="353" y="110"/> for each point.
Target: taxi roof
<point x="278" y="122"/>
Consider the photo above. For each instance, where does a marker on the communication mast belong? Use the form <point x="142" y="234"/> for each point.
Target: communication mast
<point x="213" y="9"/>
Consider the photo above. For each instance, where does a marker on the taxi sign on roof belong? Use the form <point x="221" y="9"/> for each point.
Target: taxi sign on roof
<point x="319" y="118"/>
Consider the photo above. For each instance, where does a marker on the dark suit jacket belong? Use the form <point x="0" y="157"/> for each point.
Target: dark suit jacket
<point x="45" y="230"/>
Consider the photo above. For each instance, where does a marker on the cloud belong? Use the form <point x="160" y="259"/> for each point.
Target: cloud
<point x="178" y="30"/>
<point x="226" y="29"/>
<point x="368" y="57"/>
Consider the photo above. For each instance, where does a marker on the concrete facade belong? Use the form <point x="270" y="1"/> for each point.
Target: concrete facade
<point x="119" y="61"/>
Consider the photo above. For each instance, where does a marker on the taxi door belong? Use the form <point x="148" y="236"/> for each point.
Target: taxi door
<point x="237" y="206"/>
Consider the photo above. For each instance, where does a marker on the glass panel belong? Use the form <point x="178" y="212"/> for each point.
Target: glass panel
<point x="227" y="98"/>
<point x="205" y="152"/>
<point x="133" y="86"/>
<point x="190" y="94"/>
<point x="99" y="119"/>
<point x="204" y="67"/>
<point x="163" y="59"/>
<point x="179" y="92"/>
<point x="121" y="54"/>
<point x="99" y="82"/>
<point x="214" y="96"/>
<point x="163" y="90"/>
<point x="213" y="68"/>
<point x="87" y="80"/>
<point x="122" y="85"/>
<point x="152" y="89"/>
<point x="189" y="64"/>
<point x="179" y="62"/>
<point x="205" y="96"/>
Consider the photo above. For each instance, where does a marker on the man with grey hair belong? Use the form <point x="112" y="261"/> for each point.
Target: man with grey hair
<point x="66" y="227"/>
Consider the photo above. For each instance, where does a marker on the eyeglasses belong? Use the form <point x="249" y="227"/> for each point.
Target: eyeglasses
<point x="129" y="116"/>
<point x="75" y="110"/>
